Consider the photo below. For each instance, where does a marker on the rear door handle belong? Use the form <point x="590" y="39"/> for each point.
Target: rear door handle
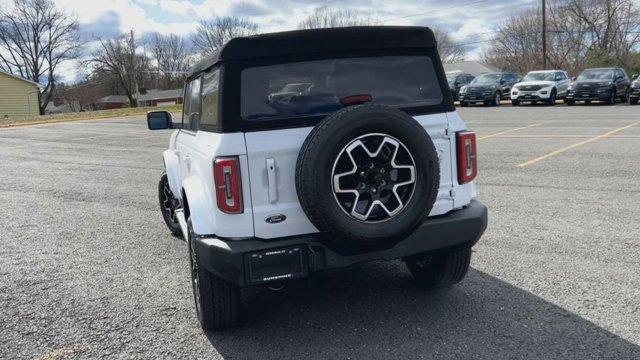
<point x="271" y="179"/>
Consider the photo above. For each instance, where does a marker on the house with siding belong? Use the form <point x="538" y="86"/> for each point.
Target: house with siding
<point x="18" y="97"/>
<point x="161" y="97"/>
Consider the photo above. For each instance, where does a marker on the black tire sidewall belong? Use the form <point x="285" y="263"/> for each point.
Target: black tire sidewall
<point x="174" y="227"/>
<point x="319" y="202"/>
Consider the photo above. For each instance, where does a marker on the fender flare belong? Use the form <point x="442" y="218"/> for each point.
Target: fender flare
<point x="198" y="206"/>
<point x="172" y="168"/>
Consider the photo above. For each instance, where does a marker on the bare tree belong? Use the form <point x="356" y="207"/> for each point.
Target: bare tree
<point x="119" y="58"/>
<point x="172" y="58"/>
<point x="449" y="50"/>
<point x="581" y="33"/>
<point x="325" y="17"/>
<point x="612" y="28"/>
<point x="212" y="34"/>
<point x="516" y="45"/>
<point x="35" y="38"/>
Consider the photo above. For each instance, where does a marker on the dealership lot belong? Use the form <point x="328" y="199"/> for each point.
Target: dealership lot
<point x="88" y="268"/>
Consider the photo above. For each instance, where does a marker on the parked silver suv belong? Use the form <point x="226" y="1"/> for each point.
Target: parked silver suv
<point x="543" y="85"/>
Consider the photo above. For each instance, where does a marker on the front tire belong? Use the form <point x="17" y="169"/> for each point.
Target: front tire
<point x="440" y="269"/>
<point x="612" y="99"/>
<point x="625" y="98"/>
<point x="570" y="102"/>
<point x="168" y="205"/>
<point x="497" y="98"/>
<point x="552" y="98"/>
<point x="633" y="101"/>
<point x="217" y="301"/>
<point x="464" y="104"/>
<point x="515" y="102"/>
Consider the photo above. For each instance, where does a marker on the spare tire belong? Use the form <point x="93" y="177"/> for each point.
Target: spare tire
<point x="367" y="174"/>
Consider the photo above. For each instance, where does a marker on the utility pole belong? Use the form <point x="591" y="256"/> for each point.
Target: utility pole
<point x="544" y="34"/>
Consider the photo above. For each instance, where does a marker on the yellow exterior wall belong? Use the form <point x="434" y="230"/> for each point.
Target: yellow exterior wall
<point x="18" y="99"/>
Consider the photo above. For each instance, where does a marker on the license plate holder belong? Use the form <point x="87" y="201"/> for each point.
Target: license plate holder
<point x="277" y="264"/>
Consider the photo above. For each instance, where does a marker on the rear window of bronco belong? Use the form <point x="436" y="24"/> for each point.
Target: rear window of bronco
<point x="320" y="87"/>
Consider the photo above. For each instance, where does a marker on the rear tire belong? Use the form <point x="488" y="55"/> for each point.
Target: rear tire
<point x="440" y="269"/>
<point x="217" y="301"/>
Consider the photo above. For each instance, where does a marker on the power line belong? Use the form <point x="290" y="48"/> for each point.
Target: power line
<point x="436" y="10"/>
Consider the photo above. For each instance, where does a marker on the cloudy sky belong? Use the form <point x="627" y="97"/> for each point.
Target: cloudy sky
<point x="468" y="21"/>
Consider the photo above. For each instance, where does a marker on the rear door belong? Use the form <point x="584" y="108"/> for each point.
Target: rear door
<point x="272" y="154"/>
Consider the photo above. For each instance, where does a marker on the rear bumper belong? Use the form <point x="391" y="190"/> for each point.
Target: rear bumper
<point x="230" y="259"/>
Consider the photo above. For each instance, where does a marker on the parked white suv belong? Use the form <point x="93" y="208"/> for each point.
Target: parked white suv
<point x="543" y="85"/>
<point x="304" y="151"/>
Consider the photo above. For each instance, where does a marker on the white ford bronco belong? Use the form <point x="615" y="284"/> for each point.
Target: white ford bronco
<point x="304" y="151"/>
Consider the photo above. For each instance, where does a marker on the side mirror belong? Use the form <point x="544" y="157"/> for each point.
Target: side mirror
<point x="634" y="77"/>
<point x="574" y="78"/>
<point x="158" y="120"/>
<point x="503" y="81"/>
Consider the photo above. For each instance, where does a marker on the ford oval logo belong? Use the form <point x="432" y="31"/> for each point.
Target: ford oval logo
<point x="274" y="219"/>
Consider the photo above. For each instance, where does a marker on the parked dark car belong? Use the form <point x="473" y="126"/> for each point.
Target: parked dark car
<point x="634" y="95"/>
<point x="600" y="84"/>
<point x="488" y="88"/>
<point x="456" y="81"/>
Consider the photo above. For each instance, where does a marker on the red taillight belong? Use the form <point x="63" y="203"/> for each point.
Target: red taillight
<point x="467" y="156"/>
<point x="226" y="174"/>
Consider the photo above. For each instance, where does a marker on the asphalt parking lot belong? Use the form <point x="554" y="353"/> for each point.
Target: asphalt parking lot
<point x="89" y="270"/>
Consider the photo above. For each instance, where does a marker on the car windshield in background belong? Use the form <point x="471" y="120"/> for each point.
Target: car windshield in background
<point x="451" y="79"/>
<point x="321" y="87"/>
<point x="596" y="74"/>
<point x="487" y="79"/>
<point x="540" y="76"/>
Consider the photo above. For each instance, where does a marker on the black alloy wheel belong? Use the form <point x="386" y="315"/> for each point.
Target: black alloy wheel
<point x="168" y="205"/>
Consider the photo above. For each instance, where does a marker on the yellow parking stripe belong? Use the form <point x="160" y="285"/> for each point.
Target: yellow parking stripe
<point x="565" y="136"/>
<point x="556" y="152"/>
<point x="512" y="130"/>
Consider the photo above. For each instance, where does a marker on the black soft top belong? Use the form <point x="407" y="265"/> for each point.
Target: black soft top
<point x="319" y="41"/>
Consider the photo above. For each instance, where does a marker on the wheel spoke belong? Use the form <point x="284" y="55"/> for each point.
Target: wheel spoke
<point x="374" y="177"/>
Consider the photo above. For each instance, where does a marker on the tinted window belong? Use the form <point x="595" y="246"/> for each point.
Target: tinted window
<point x="194" y="104"/>
<point x="320" y="87"/>
<point x="210" y="84"/>
<point x="487" y="79"/>
<point x="596" y="74"/>
<point x="539" y="76"/>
